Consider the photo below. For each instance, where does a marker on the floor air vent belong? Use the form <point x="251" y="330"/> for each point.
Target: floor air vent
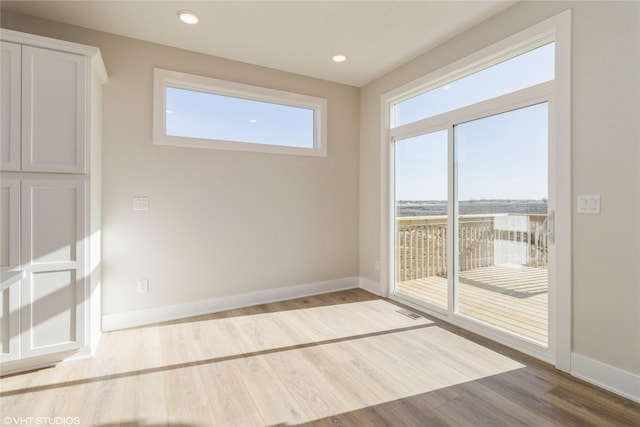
<point x="409" y="314"/>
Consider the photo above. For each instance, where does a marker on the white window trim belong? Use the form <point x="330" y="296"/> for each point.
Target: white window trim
<point x="558" y="29"/>
<point x="166" y="78"/>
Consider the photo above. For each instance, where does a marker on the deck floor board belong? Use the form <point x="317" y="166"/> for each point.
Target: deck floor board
<point x="509" y="297"/>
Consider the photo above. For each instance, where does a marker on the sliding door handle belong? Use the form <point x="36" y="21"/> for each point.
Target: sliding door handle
<point x="550" y="228"/>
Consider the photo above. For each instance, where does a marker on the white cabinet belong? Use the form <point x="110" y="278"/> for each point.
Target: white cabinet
<point x="43" y="223"/>
<point x="49" y="204"/>
<point x="44" y="112"/>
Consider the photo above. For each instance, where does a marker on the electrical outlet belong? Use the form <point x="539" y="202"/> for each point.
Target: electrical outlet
<point x="377" y="265"/>
<point x="143" y="286"/>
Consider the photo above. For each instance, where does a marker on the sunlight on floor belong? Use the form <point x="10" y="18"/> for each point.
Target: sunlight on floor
<point x="288" y="366"/>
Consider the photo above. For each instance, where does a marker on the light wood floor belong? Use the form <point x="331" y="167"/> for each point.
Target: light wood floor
<point x="510" y="297"/>
<point x="347" y="359"/>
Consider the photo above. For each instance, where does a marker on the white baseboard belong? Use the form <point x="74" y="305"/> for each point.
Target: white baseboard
<point x="608" y="377"/>
<point x="128" y="319"/>
<point x="371" y="286"/>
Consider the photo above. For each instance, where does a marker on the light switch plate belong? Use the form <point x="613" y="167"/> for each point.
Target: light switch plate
<point x="143" y="286"/>
<point x="589" y="204"/>
<point x="140" y="203"/>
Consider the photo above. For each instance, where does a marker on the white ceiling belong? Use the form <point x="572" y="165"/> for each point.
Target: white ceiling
<point x="294" y="36"/>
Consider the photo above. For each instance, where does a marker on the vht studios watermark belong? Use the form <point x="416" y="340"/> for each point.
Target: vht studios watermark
<point x="8" y="420"/>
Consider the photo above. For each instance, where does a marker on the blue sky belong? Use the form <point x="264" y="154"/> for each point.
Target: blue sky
<point x="209" y="116"/>
<point x="528" y="69"/>
<point x="498" y="157"/>
<point x="504" y="156"/>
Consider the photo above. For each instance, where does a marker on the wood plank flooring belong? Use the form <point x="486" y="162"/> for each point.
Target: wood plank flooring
<point x="510" y="297"/>
<point x="341" y="359"/>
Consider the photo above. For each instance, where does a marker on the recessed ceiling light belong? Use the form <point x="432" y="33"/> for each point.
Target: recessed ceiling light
<point x="188" y="17"/>
<point x="339" y="57"/>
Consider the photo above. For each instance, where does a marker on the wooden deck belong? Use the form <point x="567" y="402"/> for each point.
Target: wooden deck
<point x="510" y="297"/>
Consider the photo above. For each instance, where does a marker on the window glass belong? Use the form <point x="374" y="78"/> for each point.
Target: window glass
<point x="203" y="112"/>
<point x="195" y="114"/>
<point x="528" y="69"/>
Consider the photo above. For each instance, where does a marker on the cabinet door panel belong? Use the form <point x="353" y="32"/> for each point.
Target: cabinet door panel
<point x="10" y="323"/>
<point x="53" y="292"/>
<point x="53" y="306"/>
<point x="54" y="218"/>
<point x="52" y="223"/>
<point x="10" y="260"/>
<point x="10" y="75"/>
<point x="52" y="313"/>
<point x="53" y="111"/>
<point x="9" y="223"/>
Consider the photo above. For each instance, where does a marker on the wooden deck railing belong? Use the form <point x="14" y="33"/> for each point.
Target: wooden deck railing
<point x="485" y="240"/>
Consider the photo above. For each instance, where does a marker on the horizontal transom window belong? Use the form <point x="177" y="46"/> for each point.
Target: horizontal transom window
<point x="196" y="111"/>
<point x="525" y="70"/>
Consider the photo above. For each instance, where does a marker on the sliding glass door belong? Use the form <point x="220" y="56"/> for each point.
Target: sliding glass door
<point x="502" y="193"/>
<point x="471" y="204"/>
<point x="486" y="254"/>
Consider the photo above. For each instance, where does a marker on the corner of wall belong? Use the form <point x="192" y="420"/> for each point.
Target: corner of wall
<point x="371" y="286"/>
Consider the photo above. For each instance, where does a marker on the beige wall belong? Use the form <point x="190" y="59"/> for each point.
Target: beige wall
<point x="605" y="161"/>
<point x="220" y="222"/>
